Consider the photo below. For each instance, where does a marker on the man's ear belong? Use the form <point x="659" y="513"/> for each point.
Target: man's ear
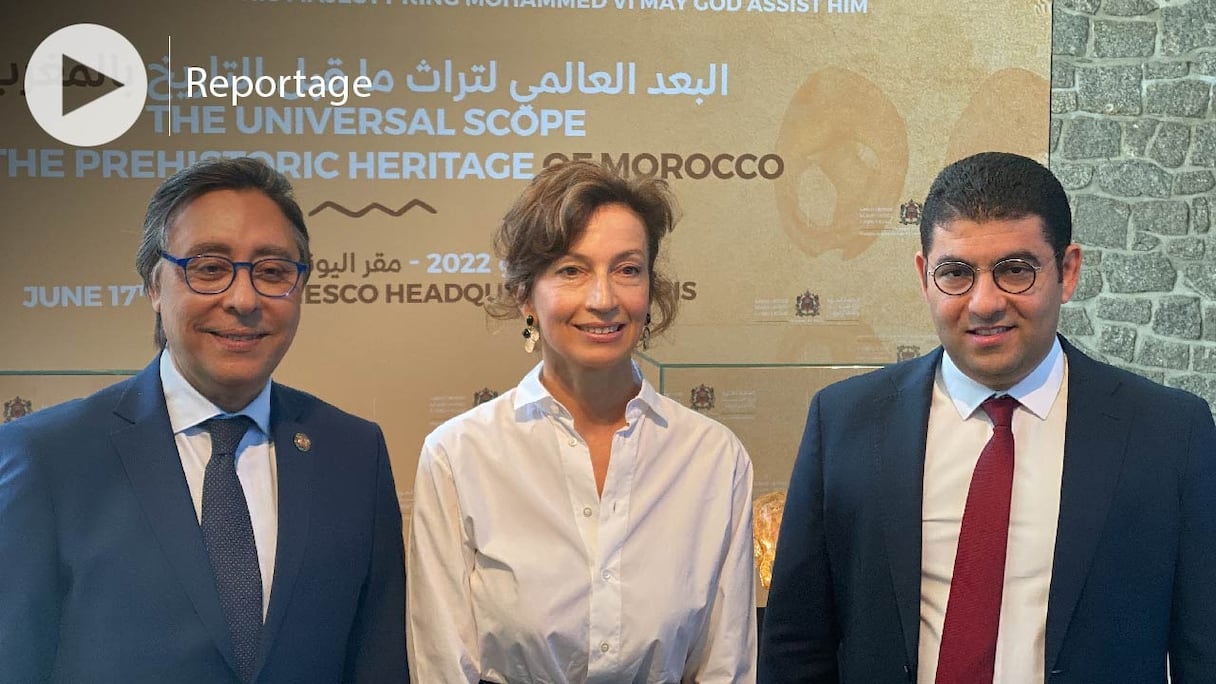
<point x="152" y="290"/>
<point x="922" y="274"/>
<point x="1070" y="271"/>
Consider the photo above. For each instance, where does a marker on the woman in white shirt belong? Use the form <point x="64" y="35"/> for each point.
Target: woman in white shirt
<point x="581" y="527"/>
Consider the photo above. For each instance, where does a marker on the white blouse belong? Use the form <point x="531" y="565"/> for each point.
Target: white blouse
<point x="519" y="572"/>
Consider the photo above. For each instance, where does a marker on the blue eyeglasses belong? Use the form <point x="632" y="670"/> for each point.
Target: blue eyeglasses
<point x="210" y="274"/>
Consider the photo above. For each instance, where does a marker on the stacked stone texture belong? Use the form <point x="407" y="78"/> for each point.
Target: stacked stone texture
<point x="1133" y="140"/>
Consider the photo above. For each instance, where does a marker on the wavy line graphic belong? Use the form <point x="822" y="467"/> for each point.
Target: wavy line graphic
<point x="360" y="213"/>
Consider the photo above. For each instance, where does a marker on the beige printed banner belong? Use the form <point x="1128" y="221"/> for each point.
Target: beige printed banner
<point x="799" y="136"/>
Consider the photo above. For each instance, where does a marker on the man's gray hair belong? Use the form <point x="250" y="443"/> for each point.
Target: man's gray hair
<point x="200" y="178"/>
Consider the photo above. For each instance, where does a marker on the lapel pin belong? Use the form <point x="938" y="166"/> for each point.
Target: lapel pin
<point x="303" y="443"/>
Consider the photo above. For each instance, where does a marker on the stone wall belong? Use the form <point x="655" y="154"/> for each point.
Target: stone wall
<point x="1133" y="140"/>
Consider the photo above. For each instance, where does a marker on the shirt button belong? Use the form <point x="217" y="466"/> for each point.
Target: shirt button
<point x="573" y="442"/>
<point x="587" y="512"/>
<point x="604" y="647"/>
<point x="607" y="575"/>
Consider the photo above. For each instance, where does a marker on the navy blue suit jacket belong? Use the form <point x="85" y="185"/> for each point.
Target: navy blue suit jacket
<point x="104" y="576"/>
<point x="1134" y="575"/>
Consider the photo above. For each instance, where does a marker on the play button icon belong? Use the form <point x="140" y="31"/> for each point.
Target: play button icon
<point x="82" y="85"/>
<point x="86" y="85"/>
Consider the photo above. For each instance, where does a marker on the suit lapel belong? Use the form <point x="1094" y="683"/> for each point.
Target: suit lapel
<point x="1095" y="440"/>
<point x="149" y="456"/>
<point x="902" y="420"/>
<point x="294" y="459"/>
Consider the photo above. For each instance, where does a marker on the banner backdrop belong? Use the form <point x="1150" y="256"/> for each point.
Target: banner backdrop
<point x="798" y="135"/>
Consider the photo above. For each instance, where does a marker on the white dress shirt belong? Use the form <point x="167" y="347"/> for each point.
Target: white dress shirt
<point x="255" y="466"/>
<point x="958" y="431"/>
<point x="518" y="571"/>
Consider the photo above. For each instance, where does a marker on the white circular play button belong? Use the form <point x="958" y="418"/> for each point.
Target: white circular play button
<point x="86" y="85"/>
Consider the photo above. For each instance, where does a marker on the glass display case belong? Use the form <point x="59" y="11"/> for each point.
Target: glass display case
<point x="743" y="379"/>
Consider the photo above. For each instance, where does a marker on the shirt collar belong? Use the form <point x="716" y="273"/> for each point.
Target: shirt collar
<point x="1037" y="391"/>
<point x="188" y="407"/>
<point x="531" y="394"/>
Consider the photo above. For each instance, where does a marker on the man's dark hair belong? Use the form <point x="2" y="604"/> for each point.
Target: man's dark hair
<point x="998" y="186"/>
<point x="198" y="179"/>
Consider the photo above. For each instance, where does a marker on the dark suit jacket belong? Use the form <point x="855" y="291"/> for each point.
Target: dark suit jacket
<point x="104" y="576"/>
<point x="1134" y="574"/>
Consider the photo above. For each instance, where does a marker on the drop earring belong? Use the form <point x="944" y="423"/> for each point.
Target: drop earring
<point x="530" y="334"/>
<point x="646" y="334"/>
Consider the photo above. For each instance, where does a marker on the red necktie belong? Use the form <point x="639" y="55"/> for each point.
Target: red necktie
<point x="973" y="614"/>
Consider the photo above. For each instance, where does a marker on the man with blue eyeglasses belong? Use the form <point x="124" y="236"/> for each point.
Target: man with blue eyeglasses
<point x="200" y="522"/>
<point x="1004" y="509"/>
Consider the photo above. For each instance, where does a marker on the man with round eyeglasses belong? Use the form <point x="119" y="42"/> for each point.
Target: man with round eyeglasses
<point x="1013" y="276"/>
<point x="200" y="522"/>
<point x="1005" y="508"/>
